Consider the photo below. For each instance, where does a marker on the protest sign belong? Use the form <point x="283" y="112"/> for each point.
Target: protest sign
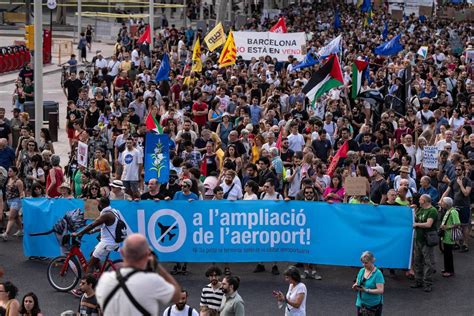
<point x="276" y="45"/>
<point x="355" y="186"/>
<point x="430" y="157"/>
<point x="82" y="153"/>
<point x="157" y="157"/>
<point x="91" y="209"/>
<point x="397" y="15"/>
<point x="244" y="231"/>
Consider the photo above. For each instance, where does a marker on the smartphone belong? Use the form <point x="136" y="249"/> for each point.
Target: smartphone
<point x="358" y="287"/>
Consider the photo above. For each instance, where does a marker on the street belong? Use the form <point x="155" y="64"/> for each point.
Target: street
<point x="330" y="296"/>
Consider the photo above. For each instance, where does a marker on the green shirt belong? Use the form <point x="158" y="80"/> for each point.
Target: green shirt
<point x="450" y="218"/>
<point x="422" y="216"/>
<point x="77" y="183"/>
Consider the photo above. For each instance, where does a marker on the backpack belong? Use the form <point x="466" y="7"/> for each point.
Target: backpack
<point x="71" y="222"/>
<point x="120" y="229"/>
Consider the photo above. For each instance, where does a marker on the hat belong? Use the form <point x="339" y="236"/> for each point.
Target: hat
<point x="117" y="184"/>
<point x="225" y="114"/>
<point x="404" y="169"/>
<point x="96" y="128"/>
<point x="378" y="169"/>
<point x="65" y="185"/>
<point x="188" y="182"/>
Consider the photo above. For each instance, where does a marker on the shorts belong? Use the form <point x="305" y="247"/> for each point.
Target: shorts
<point x="131" y="186"/>
<point x="70" y="133"/>
<point x="14" y="203"/>
<point x="465" y="215"/>
<point x="102" y="250"/>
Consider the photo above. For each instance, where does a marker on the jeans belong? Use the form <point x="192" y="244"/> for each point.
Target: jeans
<point x="424" y="264"/>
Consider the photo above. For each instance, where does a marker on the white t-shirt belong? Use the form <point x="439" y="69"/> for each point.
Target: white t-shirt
<point x="176" y="312"/>
<point x="114" y="67"/>
<point x="130" y="161"/>
<point x="296" y="142"/>
<point x="136" y="57"/>
<point x="235" y="191"/>
<point x="440" y="144"/>
<point x="149" y="289"/>
<point x="291" y="295"/>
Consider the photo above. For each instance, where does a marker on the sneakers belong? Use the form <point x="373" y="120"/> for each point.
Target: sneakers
<point x="176" y="269"/>
<point x="19" y="233"/>
<point x="416" y="285"/>
<point x="306" y="275"/>
<point x="259" y="268"/>
<point x="464" y="248"/>
<point x="275" y="270"/>
<point x="184" y="270"/>
<point x="4" y="236"/>
<point x="315" y="275"/>
<point x="76" y="292"/>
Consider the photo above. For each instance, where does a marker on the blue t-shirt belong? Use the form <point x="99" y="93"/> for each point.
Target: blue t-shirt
<point x="183" y="197"/>
<point x="371" y="283"/>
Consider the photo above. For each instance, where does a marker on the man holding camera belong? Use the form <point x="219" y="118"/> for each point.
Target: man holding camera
<point x="132" y="290"/>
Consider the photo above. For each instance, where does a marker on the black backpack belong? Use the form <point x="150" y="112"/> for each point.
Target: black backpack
<point x="120" y="229"/>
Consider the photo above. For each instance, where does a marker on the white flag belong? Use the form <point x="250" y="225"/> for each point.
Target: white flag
<point x="334" y="47"/>
<point x="423" y="51"/>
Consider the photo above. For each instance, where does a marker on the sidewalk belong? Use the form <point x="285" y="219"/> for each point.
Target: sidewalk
<point x="8" y="78"/>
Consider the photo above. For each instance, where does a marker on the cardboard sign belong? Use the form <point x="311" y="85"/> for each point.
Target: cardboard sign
<point x="397" y="15"/>
<point x="426" y="11"/>
<point x="450" y="12"/>
<point x="82" y="152"/>
<point x="430" y="157"/>
<point x="356" y="186"/>
<point x="91" y="209"/>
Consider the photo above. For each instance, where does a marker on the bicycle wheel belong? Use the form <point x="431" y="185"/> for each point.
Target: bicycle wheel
<point x="69" y="279"/>
<point x="116" y="264"/>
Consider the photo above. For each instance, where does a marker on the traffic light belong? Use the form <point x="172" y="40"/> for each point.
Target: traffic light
<point x="30" y="37"/>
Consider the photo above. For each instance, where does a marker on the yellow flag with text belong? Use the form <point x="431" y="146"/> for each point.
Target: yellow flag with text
<point x="229" y="52"/>
<point x="197" y="62"/>
<point x="215" y="38"/>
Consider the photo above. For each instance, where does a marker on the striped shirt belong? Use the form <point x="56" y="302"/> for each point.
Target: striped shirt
<point x="211" y="298"/>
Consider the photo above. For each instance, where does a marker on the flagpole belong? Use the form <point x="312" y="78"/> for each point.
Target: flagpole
<point x="151" y="21"/>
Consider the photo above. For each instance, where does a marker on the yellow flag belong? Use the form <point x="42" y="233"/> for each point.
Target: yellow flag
<point x="197" y="62"/>
<point x="215" y="38"/>
<point x="229" y="52"/>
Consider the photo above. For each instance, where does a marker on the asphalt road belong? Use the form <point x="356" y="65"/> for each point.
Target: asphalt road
<point x="330" y="296"/>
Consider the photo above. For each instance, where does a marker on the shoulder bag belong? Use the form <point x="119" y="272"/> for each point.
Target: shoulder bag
<point x="121" y="284"/>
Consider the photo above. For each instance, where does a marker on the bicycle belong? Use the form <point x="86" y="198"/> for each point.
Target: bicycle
<point x="64" y="272"/>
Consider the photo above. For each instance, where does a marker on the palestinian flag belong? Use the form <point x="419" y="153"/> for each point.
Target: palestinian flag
<point x="327" y="77"/>
<point x="358" y="68"/>
<point x="153" y="125"/>
<point x="341" y="153"/>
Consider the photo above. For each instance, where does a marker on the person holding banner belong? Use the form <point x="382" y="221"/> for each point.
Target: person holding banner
<point x="370" y="287"/>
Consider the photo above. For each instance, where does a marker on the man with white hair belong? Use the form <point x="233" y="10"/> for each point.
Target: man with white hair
<point x="425" y="221"/>
<point x="133" y="291"/>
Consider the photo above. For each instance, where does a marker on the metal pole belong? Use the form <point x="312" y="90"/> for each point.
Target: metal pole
<point x="79" y="19"/>
<point x="151" y="21"/>
<point x="201" y="11"/>
<point x="184" y="13"/>
<point x="38" y="60"/>
<point x="51" y="21"/>
<point x="28" y="12"/>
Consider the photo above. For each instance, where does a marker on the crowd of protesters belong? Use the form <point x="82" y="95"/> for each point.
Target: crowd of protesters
<point x="247" y="132"/>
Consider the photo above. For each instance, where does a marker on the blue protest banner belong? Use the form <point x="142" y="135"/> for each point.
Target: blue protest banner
<point x="157" y="157"/>
<point x="246" y="231"/>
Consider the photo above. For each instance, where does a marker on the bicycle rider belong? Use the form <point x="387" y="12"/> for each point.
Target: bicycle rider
<point x="107" y="222"/>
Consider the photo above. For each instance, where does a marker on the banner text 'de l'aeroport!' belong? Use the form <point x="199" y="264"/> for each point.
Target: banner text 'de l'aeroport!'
<point x="245" y="231"/>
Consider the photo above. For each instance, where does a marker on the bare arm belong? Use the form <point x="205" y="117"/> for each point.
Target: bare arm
<point x="168" y="278"/>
